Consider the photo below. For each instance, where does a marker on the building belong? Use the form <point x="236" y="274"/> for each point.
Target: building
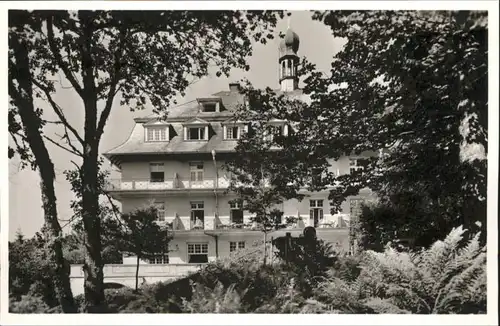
<point x="177" y="163"/>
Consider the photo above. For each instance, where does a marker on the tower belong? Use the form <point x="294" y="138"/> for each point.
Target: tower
<point x="289" y="61"/>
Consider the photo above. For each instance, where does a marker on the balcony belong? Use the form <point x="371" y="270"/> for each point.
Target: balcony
<point x="166" y="184"/>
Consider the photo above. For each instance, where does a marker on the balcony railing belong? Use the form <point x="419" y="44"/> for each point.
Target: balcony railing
<point x="236" y="226"/>
<point x="167" y="184"/>
<point x="184" y="223"/>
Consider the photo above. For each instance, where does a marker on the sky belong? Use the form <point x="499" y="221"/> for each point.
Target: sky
<point x="25" y="213"/>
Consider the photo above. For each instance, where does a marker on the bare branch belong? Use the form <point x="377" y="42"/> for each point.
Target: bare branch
<point x="58" y="58"/>
<point x="114" y="208"/>
<point x="53" y="122"/>
<point x="115" y="76"/>
<point x="76" y="165"/>
<point x="69" y="141"/>
<point x="69" y="221"/>
<point x="62" y="147"/>
<point x="58" y="111"/>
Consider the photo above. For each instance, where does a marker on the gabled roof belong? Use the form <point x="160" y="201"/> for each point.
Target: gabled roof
<point x="232" y="120"/>
<point x="155" y="122"/>
<point x="196" y="121"/>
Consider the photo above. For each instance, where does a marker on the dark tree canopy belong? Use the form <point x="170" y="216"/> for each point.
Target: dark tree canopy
<point x="139" y="57"/>
<point x="409" y="87"/>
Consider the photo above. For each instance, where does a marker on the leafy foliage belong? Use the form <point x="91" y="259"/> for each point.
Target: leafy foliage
<point x="139" y="233"/>
<point x="306" y="260"/>
<point x="406" y="219"/>
<point x="140" y="57"/>
<point x="28" y="304"/>
<point x="30" y="272"/>
<point x="218" y="300"/>
<point x="74" y="249"/>
<point x="449" y="277"/>
<point x="410" y="94"/>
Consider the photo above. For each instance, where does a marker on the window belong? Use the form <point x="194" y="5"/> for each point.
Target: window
<point x="197" y="215"/>
<point x="233" y="246"/>
<point x="209" y="107"/>
<point x="196" y="170"/>
<point x="232" y="132"/>
<point x="160" y="207"/>
<point x="275" y="131"/>
<point x="316" y="210"/>
<point x="197" y="205"/>
<point x="236" y="213"/>
<point x="156" y="133"/>
<point x="278" y="131"/>
<point x="354" y="165"/>
<point x="159" y="259"/>
<point x="196" y="133"/>
<point x="157" y="172"/>
<point x="197" y="253"/>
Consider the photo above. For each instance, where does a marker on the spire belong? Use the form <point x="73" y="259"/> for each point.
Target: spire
<point x="289" y="60"/>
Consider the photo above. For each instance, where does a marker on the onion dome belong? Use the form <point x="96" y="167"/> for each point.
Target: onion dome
<point x="290" y="44"/>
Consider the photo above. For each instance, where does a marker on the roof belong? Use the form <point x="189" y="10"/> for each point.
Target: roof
<point x="178" y="116"/>
<point x="135" y="144"/>
<point x="290" y="44"/>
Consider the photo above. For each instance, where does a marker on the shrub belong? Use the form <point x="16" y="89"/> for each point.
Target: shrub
<point x="347" y="267"/>
<point x="28" y="305"/>
<point x="255" y="283"/>
<point x="449" y="277"/>
<point x="218" y="300"/>
<point x="407" y="218"/>
<point x="119" y="299"/>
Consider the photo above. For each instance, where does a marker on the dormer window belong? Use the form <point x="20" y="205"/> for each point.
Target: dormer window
<point x="196" y="129"/>
<point x="210" y="107"/>
<point x="213" y="104"/>
<point x="233" y="130"/>
<point x="276" y="129"/>
<point x="354" y="165"/>
<point x="196" y="133"/>
<point x="156" y="133"/>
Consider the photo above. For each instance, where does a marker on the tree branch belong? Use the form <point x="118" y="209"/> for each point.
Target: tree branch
<point x="62" y="147"/>
<point x="115" y="76"/>
<point x="68" y="140"/>
<point x="58" y="58"/>
<point x="58" y="110"/>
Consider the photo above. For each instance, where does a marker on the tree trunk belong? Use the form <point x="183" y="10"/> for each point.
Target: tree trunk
<point x="94" y="280"/>
<point x="31" y="122"/>
<point x="137" y="273"/>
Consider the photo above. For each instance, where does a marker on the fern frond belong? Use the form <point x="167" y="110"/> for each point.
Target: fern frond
<point x="470" y="251"/>
<point x="457" y="289"/>
<point x="434" y="263"/>
<point x="460" y="261"/>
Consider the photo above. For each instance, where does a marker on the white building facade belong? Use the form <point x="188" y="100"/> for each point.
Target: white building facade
<point x="178" y="165"/>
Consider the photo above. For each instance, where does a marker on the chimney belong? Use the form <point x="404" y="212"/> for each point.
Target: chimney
<point x="234" y="87"/>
